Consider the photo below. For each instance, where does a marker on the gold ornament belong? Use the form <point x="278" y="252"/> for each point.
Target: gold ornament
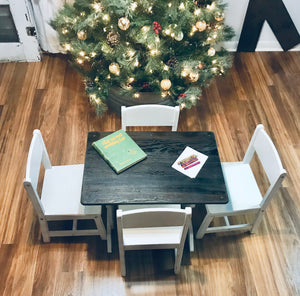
<point x="211" y="52"/>
<point x="193" y="76"/>
<point x="165" y="84"/>
<point x="114" y="68"/>
<point x="219" y="16"/>
<point x="81" y="35"/>
<point x="123" y="23"/>
<point x="179" y="36"/>
<point x="201" y="26"/>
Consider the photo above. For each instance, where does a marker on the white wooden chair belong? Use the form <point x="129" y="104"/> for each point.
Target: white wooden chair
<point x="153" y="228"/>
<point x="150" y="115"/>
<point x="60" y="195"/>
<point x="243" y="192"/>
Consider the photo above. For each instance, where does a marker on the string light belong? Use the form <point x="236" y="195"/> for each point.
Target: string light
<point x="97" y="7"/>
<point x="136" y="95"/>
<point x="193" y="98"/>
<point x="169" y="4"/>
<point x="64" y="31"/>
<point x="133" y="6"/>
<point x="130" y="80"/>
<point x="154" y="52"/>
<point x="181" y="6"/>
<point x="67" y="46"/>
<point x="82" y="53"/>
<point x="166" y="68"/>
<point x="93" y="54"/>
<point x="197" y="12"/>
<point x="211" y="7"/>
<point x="80" y="61"/>
<point x="130" y="53"/>
<point x="106" y="17"/>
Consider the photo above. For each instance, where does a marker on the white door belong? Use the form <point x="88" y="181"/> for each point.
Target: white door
<point x="18" y="40"/>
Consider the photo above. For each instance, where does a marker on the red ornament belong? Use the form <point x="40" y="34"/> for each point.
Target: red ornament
<point x="182" y="96"/>
<point x="156" y="27"/>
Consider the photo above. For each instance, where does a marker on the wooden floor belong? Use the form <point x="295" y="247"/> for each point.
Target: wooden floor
<point x="260" y="88"/>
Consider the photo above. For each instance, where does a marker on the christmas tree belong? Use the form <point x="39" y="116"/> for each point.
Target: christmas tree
<point x="167" y="47"/>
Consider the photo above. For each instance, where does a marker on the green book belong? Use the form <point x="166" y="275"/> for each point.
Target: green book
<point x="119" y="150"/>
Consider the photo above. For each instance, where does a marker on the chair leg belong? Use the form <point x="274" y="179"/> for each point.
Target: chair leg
<point x="44" y="230"/>
<point x="191" y="238"/>
<point x="109" y="211"/>
<point x="257" y="221"/>
<point x="178" y="258"/>
<point x="122" y="260"/>
<point x="203" y="227"/>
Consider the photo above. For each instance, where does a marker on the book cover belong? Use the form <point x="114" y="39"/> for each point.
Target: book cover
<point x="119" y="150"/>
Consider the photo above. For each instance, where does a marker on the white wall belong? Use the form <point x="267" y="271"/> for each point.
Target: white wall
<point x="235" y="15"/>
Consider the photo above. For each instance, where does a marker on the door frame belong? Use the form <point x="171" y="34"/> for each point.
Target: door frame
<point x="27" y="50"/>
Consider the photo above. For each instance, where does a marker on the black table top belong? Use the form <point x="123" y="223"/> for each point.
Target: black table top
<point x="153" y="180"/>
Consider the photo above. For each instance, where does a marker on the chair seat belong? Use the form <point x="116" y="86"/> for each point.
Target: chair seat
<point x="243" y="192"/>
<point x="61" y="192"/>
<point x="152" y="236"/>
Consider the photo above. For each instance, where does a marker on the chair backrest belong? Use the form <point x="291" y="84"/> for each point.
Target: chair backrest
<point x="266" y="151"/>
<point x="150" y="115"/>
<point x="37" y="156"/>
<point x="154" y="217"/>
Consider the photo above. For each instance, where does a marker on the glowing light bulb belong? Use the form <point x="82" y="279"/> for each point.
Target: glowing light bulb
<point x="80" y="61"/>
<point x="153" y="52"/>
<point x="197" y="12"/>
<point x="64" y="31"/>
<point x="97" y="6"/>
<point x="131" y="53"/>
<point x="67" y="46"/>
<point x="136" y="95"/>
<point x="150" y="9"/>
<point x="133" y="6"/>
<point x="93" y="96"/>
<point x="136" y="63"/>
<point x="181" y="6"/>
<point x="106" y="17"/>
<point x="168" y="32"/>
<point x="193" y="98"/>
<point x="182" y="105"/>
<point x="150" y="71"/>
<point x="166" y="68"/>
<point x="93" y="54"/>
<point x="82" y="53"/>
<point x="131" y="79"/>
<point x="170" y="4"/>
<point x="211" y="7"/>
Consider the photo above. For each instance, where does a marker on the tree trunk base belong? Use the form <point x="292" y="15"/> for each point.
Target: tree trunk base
<point x="115" y="100"/>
